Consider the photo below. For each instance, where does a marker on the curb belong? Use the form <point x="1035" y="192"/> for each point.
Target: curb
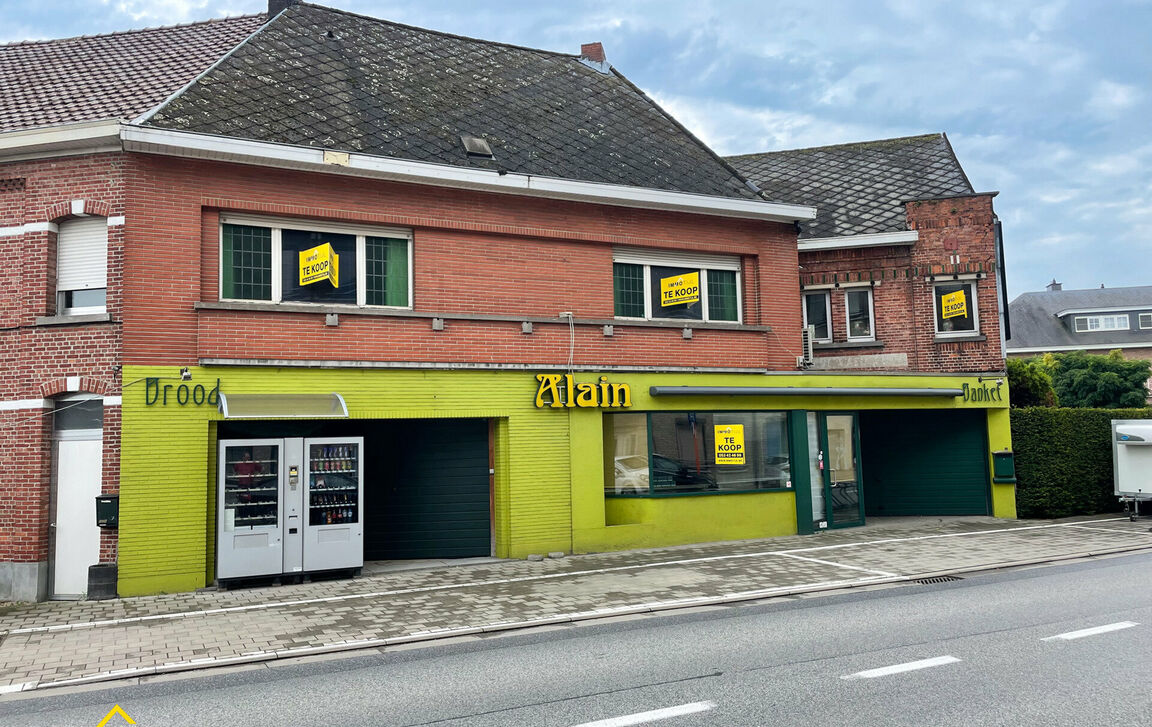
<point x="570" y="618"/>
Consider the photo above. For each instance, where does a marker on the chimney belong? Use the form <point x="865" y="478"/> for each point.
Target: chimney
<point x="1054" y="286"/>
<point x="592" y="51"/>
<point x="275" y="6"/>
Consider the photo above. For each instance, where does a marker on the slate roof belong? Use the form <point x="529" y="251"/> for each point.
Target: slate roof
<point x="858" y="188"/>
<point x="314" y="76"/>
<point x="113" y="76"/>
<point x="1035" y="325"/>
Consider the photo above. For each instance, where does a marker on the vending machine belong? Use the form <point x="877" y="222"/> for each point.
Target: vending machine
<point x="289" y="506"/>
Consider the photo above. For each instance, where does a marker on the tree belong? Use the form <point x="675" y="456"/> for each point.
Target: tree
<point x="1029" y="383"/>
<point x="1104" y="382"/>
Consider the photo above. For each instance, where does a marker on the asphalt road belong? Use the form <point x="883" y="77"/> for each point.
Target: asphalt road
<point x="979" y="651"/>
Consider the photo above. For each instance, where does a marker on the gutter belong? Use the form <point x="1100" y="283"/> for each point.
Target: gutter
<point x="796" y="391"/>
<point x="284" y="156"/>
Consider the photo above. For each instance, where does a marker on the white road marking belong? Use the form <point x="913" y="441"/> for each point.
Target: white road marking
<point x="653" y="716"/>
<point x="540" y="577"/>
<point x="1142" y="533"/>
<point x="901" y="668"/>
<point x="1107" y="628"/>
<point x="884" y="574"/>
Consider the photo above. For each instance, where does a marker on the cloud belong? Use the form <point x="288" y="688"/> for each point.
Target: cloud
<point x="1110" y="98"/>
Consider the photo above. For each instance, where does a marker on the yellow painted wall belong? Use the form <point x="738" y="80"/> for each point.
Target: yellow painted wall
<point x="167" y="481"/>
<point x="550" y="472"/>
<point x="648" y="521"/>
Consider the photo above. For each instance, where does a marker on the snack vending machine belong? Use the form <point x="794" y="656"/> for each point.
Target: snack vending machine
<point x="289" y="506"/>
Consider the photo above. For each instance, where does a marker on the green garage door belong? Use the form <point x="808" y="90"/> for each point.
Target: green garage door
<point x="924" y="462"/>
<point x="428" y="494"/>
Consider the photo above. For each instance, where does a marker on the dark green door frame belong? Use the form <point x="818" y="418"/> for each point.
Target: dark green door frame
<point x="826" y="472"/>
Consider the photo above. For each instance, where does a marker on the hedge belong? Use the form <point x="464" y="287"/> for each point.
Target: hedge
<point x="1064" y="460"/>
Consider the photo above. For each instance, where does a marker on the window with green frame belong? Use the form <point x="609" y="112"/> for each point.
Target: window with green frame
<point x="677" y="453"/>
<point x="374" y="269"/>
<point x="636" y="289"/>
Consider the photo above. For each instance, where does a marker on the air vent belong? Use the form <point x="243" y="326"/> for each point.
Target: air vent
<point x="937" y="579"/>
<point x="476" y="146"/>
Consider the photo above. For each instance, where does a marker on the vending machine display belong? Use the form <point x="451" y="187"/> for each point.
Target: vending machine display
<point x="289" y="506"/>
<point x="334" y="476"/>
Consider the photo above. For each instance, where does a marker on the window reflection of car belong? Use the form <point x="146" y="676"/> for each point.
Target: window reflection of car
<point x="670" y="473"/>
<point x="631" y="475"/>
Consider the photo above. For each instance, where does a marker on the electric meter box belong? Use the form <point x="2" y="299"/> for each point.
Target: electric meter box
<point x="1132" y="457"/>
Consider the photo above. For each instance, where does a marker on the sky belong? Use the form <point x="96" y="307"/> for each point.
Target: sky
<point x="1049" y="103"/>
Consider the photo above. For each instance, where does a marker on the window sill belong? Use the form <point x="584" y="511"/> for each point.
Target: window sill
<point x="847" y="344"/>
<point x="705" y="493"/>
<point x="324" y="308"/>
<point x="961" y="339"/>
<point x="73" y="319"/>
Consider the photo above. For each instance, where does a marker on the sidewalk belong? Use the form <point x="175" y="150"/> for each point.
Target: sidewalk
<point x="64" y="643"/>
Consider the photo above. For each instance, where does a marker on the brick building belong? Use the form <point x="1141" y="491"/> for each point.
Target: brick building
<point x="545" y="307"/>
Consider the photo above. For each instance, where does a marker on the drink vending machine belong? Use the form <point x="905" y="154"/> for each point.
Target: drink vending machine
<point x="289" y="506"/>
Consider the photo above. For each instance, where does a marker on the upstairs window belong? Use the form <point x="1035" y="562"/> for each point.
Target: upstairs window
<point x="859" y="309"/>
<point x="657" y="286"/>
<point x="82" y="266"/>
<point x="956" y="310"/>
<point x="1088" y="324"/>
<point x="289" y="261"/>
<point x="1145" y="320"/>
<point x="818" y="314"/>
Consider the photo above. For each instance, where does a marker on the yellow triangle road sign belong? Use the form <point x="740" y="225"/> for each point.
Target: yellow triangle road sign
<point x="113" y="712"/>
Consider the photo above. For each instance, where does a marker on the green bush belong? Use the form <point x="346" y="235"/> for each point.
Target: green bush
<point x="1029" y="383"/>
<point x="1064" y="460"/>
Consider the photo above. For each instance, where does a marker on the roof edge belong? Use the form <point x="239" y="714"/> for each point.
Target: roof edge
<point x="180" y="91"/>
<point x="752" y="155"/>
<point x="149" y="29"/>
<point x="748" y="183"/>
<point x="146" y="139"/>
<point x="51" y="140"/>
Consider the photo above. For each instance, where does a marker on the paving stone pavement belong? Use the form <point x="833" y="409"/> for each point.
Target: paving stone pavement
<point x="52" y="644"/>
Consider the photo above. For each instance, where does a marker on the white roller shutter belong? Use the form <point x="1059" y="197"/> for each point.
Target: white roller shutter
<point x="82" y="254"/>
<point x="674" y="258"/>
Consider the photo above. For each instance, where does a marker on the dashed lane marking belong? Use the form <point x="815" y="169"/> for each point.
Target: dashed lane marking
<point x="654" y="715"/>
<point x="1094" y="631"/>
<point x="901" y="668"/>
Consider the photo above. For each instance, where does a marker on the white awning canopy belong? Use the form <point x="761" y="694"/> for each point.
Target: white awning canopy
<point x="283" y="406"/>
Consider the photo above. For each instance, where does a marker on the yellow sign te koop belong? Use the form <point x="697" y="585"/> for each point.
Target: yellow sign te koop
<point x="320" y="263"/>
<point x="729" y="443"/>
<point x="953" y="305"/>
<point x="680" y="289"/>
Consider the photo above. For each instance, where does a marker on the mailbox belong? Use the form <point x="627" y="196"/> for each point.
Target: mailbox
<point x="108" y="511"/>
<point x="1004" y="467"/>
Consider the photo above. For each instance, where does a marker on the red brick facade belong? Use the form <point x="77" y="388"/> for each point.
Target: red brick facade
<point x="956" y="238"/>
<point x="473" y="254"/>
<point x="43" y="358"/>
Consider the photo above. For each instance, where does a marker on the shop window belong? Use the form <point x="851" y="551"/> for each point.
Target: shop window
<point x="290" y="262"/>
<point x="818" y="314"/>
<point x="684" y="453"/>
<point x="859" y="308"/>
<point x="82" y="266"/>
<point x="956" y="310"/>
<point x="676" y="287"/>
<point x="1091" y="324"/>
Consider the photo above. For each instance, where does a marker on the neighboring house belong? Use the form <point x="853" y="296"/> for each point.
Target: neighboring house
<point x="900" y="235"/>
<point x="1097" y="320"/>
<point x="898" y="227"/>
<point x="556" y="319"/>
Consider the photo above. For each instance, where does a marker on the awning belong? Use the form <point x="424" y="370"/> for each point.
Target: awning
<point x="283" y="406"/>
<point x="796" y="391"/>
